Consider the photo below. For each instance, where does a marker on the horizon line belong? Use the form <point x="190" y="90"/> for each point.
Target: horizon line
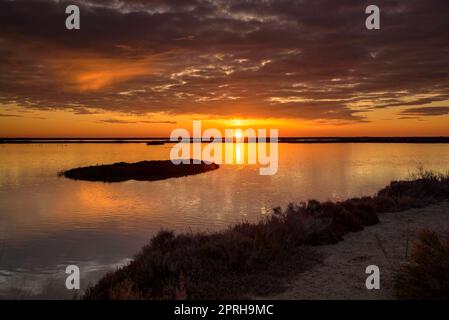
<point x="281" y="137"/>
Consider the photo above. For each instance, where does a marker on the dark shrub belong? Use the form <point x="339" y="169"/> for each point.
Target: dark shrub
<point x="426" y="276"/>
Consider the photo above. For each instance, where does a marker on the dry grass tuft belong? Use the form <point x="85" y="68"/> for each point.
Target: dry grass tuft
<point x="426" y="276"/>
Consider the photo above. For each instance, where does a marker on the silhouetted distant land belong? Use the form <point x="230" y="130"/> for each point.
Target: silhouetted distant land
<point x="155" y="143"/>
<point x="366" y="140"/>
<point x="161" y="141"/>
<point x="142" y="171"/>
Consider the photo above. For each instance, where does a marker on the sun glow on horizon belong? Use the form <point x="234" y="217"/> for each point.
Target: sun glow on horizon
<point x="238" y="134"/>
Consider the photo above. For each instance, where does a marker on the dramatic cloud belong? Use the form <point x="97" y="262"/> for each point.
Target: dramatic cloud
<point x="309" y="59"/>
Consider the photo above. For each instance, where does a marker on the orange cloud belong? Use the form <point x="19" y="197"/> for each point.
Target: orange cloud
<point x="96" y="73"/>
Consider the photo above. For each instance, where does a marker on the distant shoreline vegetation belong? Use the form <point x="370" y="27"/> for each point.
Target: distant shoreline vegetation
<point x="140" y="171"/>
<point x="248" y="259"/>
<point x="161" y="141"/>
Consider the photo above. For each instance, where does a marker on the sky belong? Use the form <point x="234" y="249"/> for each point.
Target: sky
<point x="142" y="68"/>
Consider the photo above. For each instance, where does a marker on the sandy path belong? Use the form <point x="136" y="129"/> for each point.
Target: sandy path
<point x="342" y="273"/>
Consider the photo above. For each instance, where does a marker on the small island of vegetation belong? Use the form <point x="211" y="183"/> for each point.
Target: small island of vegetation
<point x="141" y="171"/>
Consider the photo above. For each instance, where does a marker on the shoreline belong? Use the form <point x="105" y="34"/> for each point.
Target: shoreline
<point x="341" y="274"/>
<point x="255" y="260"/>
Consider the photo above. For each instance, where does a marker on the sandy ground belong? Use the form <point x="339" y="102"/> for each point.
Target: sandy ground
<point x="342" y="273"/>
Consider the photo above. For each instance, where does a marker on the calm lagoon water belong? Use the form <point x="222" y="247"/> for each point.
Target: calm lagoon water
<point x="48" y="222"/>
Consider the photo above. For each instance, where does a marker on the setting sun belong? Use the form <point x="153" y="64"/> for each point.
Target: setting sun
<point x="238" y="134"/>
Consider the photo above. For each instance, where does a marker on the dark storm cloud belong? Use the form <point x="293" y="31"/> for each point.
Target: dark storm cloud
<point x="426" y="111"/>
<point x="301" y="59"/>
